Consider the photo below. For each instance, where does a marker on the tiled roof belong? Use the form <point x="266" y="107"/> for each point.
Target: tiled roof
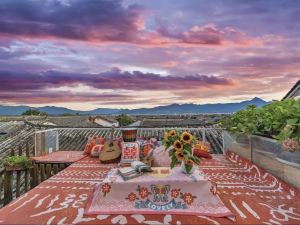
<point x="18" y="135"/>
<point x="76" y="138"/>
<point x="294" y="92"/>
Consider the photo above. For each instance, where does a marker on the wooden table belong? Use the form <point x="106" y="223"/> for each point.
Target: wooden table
<point x="48" y="165"/>
<point x="60" y="157"/>
<point x="253" y="195"/>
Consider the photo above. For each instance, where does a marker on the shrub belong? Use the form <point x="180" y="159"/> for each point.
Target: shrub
<point x="34" y="112"/>
<point x="124" y="120"/>
<point x="16" y="161"/>
<point x="279" y="120"/>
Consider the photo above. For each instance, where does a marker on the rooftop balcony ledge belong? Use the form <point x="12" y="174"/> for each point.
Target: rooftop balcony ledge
<point x="266" y="153"/>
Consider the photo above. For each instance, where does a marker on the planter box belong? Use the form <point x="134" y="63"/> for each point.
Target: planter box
<point x="268" y="154"/>
<point x="291" y="166"/>
<point x="233" y="143"/>
<point x="269" y="163"/>
<point x="264" y="152"/>
<point x="241" y="139"/>
<point x="265" y="145"/>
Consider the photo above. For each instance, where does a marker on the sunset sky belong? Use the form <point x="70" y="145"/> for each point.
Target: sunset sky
<point x="86" y="54"/>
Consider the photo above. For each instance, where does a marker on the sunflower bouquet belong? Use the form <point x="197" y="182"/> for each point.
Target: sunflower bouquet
<point x="180" y="147"/>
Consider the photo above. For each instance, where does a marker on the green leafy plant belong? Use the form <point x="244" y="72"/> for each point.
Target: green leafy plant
<point x="124" y="120"/>
<point x="16" y="162"/>
<point x="279" y="120"/>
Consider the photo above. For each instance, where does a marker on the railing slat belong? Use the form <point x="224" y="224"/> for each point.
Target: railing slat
<point x="48" y="170"/>
<point x="18" y="181"/>
<point x="8" y="193"/>
<point x="43" y="173"/>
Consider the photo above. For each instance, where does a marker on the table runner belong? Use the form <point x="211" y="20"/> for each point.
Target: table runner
<point x="162" y="191"/>
<point x="60" y="157"/>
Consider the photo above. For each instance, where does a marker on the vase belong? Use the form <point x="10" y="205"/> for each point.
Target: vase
<point x="187" y="169"/>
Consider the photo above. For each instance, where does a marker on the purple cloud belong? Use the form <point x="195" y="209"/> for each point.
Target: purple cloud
<point x="80" y="20"/>
<point x="113" y="79"/>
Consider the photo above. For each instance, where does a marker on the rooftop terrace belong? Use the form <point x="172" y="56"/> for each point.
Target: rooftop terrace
<point x="253" y="195"/>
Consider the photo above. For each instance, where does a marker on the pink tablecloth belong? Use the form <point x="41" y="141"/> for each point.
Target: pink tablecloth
<point x="171" y="192"/>
<point x="60" y="157"/>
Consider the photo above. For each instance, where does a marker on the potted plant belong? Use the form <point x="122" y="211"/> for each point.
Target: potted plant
<point x="274" y="131"/>
<point x="180" y="148"/>
<point x="16" y="163"/>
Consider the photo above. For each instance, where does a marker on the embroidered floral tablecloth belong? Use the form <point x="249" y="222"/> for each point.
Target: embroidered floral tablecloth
<point x="162" y="191"/>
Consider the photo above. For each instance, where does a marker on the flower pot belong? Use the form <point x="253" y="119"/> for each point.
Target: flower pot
<point x="184" y="168"/>
<point x="14" y="168"/>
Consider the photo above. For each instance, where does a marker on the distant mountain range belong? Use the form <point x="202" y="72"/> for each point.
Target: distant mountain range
<point x="168" y="109"/>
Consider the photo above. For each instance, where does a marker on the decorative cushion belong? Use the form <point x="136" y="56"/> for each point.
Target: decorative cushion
<point x="161" y="157"/>
<point x="88" y="147"/>
<point x="92" y="141"/>
<point x="95" y="152"/>
<point x="145" y="147"/>
<point x="130" y="152"/>
<point x="202" y="154"/>
<point x="99" y="140"/>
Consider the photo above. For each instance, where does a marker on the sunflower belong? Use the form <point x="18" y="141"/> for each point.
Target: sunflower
<point x="186" y="137"/>
<point x="178" y="146"/>
<point x="179" y="155"/>
<point x="172" y="133"/>
<point x="166" y="135"/>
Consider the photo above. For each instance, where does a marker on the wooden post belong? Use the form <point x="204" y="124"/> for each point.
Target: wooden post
<point x="36" y="143"/>
<point x="48" y="170"/>
<point x="43" y="174"/>
<point x="31" y="177"/>
<point x="55" y="168"/>
<point x="27" y="150"/>
<point x="1" y="187"/>
<point x="27" y="178"/>
<point x="18" y="182"/>
<point x="61" y="166"/>
<point x="8" y="193"/>
<point x="35" y="175"/>
<point x="18" y="178"/>
<point x="43" y="143"/>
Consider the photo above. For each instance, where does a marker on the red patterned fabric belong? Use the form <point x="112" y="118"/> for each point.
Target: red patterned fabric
<point x="254" y="196"/>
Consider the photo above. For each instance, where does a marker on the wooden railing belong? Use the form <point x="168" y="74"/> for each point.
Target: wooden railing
<point x="15" y="183"/>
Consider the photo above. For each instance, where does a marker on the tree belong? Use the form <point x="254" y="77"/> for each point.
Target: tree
<point x="34" y="112"/>
<point x="124" y="120"/>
